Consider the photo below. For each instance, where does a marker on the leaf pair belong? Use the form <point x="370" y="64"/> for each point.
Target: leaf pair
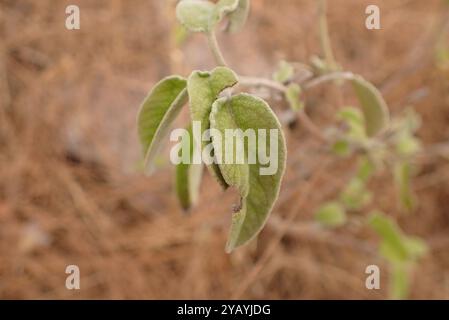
<point x="241" y="112"/>
<point x="203" y="16"/>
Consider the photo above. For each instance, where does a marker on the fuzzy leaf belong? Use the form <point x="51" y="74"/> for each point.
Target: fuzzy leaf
<point x="222" y="8"/>
<point x="157" y="112"/>
<point x="258" y="191"/>
<point x="373" y="105"/>
<point x="195" y="15"/>
<point x="188" y="176"/>
<point x="237" y="19"/>
<point x="331" y="215"/>
<point x="204" y="88"/>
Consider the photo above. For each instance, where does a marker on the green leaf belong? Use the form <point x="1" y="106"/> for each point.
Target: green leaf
<point x="366" y="169"/>
<point x="204" y="88"/>
<point x="331" y="215"/>
<point x="373" y="105"/>
<point x="157" y="112"/>
<point x="393" y="246"/>
<point x="399" y="282"/>
<point x="222" y="8"/>
<point x="284" y="72"/>
<point x="416" y="247"/>
<point x="195" y="15"/>
<point x="353" y="118"/>
<point x="402" y="178"/>
<point x="355" y="195"/>
<point x="188" y="176"/>
<point x="341" y="148"/>
<point x="292" y="96"/>
<point x="258" y="189"/>
<point x="237" y="19"/>
<point x="375" y="110"/>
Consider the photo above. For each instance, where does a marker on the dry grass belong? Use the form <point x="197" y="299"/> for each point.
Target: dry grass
<point x="70" y="192"/>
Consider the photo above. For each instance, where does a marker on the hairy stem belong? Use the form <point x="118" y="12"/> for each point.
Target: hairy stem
<point x="324" y="36"/>
<point x="213" y="45"/>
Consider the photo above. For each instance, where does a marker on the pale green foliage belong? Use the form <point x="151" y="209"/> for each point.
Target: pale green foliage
<point x="399" y="250"/>
<point x="355" y="122"/>
<point x="373" y="105"/>
<point x="402" y="176"/>
<point x="284" y="73"/>
<point x="157" y="112"/>
<point x="331" y="214"/>
<point x="355" y="195"/>
<point x="188" y="176"/>
<point x="203" y="16"/>
<point x="195" y="15"/>
<point x="258" y="192"/>
<point x="292" y="96"/>
<point x="237" y="19"/>
<point x="203" y="89"/>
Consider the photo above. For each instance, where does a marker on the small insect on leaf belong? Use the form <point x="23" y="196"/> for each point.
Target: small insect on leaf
<point x="257" y="180"/>
<point x="204" y="88"/>
<point x="331" y="215"/>
<point x="402" y="178"/>
<point x="292" y="95"/>
<point x="157" y="112"/>
<point x="195" y="15"/>
<point x="188" y="175"/>
<point x="237" y="19"/>
<point x="373" y="105"/>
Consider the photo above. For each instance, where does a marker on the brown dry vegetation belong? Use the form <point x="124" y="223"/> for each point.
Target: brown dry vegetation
<point x="70" y="192"/>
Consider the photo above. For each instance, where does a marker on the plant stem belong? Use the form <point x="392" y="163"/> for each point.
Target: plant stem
<point x="306" y="85"/>
<point x="324" y="37"/>
<point x="262" y="82"/>
<point x="213" y="45"/>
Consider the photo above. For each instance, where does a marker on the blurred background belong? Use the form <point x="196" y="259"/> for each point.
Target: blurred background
<point x="71" y="186"/>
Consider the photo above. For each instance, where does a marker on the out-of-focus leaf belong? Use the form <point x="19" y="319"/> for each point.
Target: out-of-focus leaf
<point x="222" y="8"/>
<point x="374" y="108"/>
<point x="406" y="143"/>
<point x="204" y="88"/>
<point x="416" y="247"/>
<point x="237" y="19"/>
<point x="258" y="191"/>
<point x="157" y="112"/>
<point x="188" y="175"/>
<point x="399" y="282"/>
<point x="365" y="170"/>
<point x="284" y="72"/>
<point x="355" y="195"/>
<point x="292" y="96"/>
<point x="402" y="178"/>
<point x="331" y="215"/>
<point x="195" y="15"/>
<point x="393" y="246"/>
<point x="341" y="148"/>
<point x="353" y="118"/>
